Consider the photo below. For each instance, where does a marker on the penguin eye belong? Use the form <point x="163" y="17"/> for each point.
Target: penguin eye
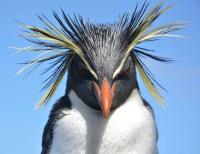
<point x="84" y="73"/>
<point x="123" y="75"/>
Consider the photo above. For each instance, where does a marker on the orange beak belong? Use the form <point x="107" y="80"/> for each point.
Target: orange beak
<point x="105" y="94"/>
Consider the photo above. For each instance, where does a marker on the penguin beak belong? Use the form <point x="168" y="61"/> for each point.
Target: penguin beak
<point x="105" y="94"/>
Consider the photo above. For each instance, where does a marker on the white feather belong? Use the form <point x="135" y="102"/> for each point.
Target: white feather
<point x="129" y="130"/>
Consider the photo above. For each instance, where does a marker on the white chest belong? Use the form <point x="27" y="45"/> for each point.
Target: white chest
<point x="129" y="130"/>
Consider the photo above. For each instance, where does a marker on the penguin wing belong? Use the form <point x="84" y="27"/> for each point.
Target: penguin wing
<point x="56" y="113"/>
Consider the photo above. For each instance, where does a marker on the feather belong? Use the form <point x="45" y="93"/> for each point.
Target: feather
<point x="75" y="37"/>
<point x="148" y="83"/>
<point x="54" y="44"/>
<point x="55" y="84"/>
<point x="142" y="32"/>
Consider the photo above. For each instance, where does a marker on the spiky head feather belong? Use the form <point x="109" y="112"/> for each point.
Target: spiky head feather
<point x="76" y="37"/>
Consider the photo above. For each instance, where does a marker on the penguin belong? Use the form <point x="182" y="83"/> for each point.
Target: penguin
<point x="102" y="110"/>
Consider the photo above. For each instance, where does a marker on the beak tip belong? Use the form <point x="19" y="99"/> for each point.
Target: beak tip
<point x="106" y="115"/>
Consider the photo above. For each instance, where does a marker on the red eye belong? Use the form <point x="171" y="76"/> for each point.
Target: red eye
<point x="123" y="75"/>
<point x="82" y="71"/>
<point x="126" y="72"/>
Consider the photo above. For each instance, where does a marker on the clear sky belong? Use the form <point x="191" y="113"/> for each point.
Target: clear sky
<point x="21" y="126"/>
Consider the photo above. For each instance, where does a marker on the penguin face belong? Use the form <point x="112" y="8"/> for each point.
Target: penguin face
<point x="106" y="51"/>
<point x="105" y="93"/>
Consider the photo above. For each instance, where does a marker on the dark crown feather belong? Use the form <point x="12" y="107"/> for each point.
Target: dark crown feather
<point x="76" y="37"/>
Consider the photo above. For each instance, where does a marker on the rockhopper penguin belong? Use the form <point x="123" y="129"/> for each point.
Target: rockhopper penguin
<point x="102" y="111"/>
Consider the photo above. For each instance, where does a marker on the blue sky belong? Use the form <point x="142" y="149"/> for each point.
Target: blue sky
<point x="21" y="126"/>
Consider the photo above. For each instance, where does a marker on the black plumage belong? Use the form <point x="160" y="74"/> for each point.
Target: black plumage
<point x="89" y="41"/>
<point x="101" y="59"/>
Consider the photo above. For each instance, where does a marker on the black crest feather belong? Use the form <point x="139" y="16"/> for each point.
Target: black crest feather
<point x="76" y="37"/>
